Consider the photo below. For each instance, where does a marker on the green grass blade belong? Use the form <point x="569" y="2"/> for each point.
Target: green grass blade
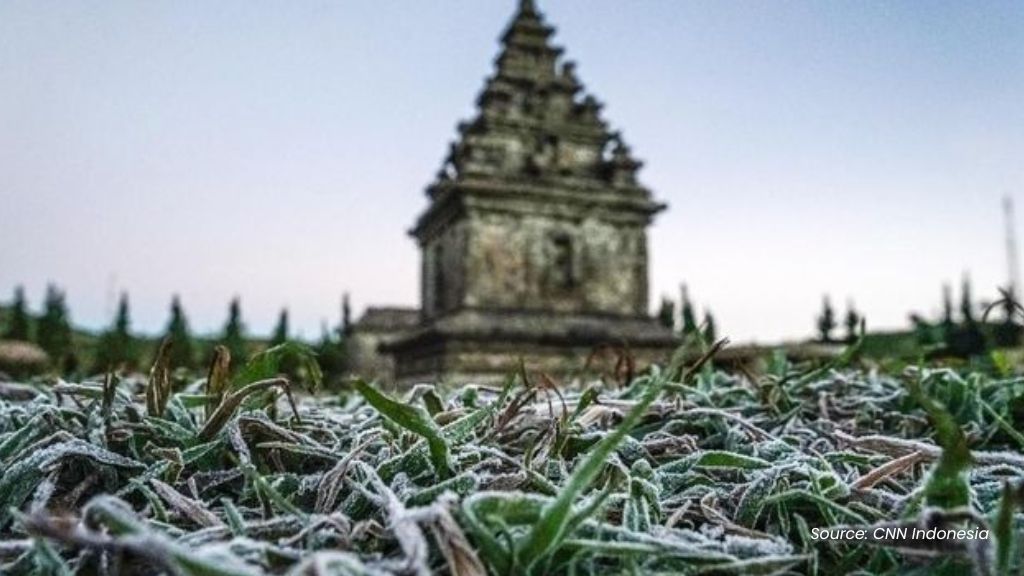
<point x="414" y="419"/>
<point x="551" y="528"/>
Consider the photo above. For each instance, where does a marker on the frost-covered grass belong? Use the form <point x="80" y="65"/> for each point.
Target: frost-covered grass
<point x="680" y="471"/>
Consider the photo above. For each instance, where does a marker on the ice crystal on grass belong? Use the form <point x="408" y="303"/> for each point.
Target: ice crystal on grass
<point x="683" y="471"/>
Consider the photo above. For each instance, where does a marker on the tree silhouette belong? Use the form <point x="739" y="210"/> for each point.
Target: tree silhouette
<point x="117" y="348"/>
<point x="710" y="330"/>
<point x="851" y="321"/>
<point x="689" y="317"/>
<point x="826" y="321"/>
<point x="234" y="334"/>
<point x="281" y="329"/>
<point x="346" y="314"/>
<point x="182" y="347"/>
<point x="18" y="327"/>
<point x="667" y="314"/>
<point x="947" y="306"/>
<point x="967" y="339"/>
<point x="53" y="332"/>
<point x="966" y="302"/>
<point x="331" y="353"/>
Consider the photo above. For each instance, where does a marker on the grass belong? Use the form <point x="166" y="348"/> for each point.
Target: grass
<point x="681" y="471"/>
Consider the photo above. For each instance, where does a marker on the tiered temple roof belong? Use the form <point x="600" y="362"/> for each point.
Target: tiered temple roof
<point x="536" y="126"/>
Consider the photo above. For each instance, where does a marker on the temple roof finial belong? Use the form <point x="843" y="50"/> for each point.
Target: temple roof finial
<point x="527" y="7"/>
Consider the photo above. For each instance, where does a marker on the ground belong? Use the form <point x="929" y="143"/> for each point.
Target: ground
<point x="685" y="469"/>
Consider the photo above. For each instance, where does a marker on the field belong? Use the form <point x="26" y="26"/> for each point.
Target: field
<point x="683" y="470"/>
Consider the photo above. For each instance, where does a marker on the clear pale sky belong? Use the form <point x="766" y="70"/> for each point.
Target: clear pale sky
<point x="279" y="150"/>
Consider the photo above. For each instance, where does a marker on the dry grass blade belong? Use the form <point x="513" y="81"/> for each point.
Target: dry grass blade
<point x="887" y="470"/>
<point x="331" y="482"/>
<point x="233" y="400"/>
<point x="694" y="368"/>
<point x="158" y="388"/>
<point x="192" y="509"/>
<point x="455" y="547"/>
<point x="66" y="531"/>
<point x="218" y="379"/>
<point x="901" y="447"/>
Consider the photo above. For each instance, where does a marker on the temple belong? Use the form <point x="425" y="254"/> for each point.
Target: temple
<point x="534" y="242"/>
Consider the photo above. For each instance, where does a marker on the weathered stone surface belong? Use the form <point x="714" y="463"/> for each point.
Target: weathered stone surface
<point x="494" y="259"/>
<point x="534" y="244"/>
<point x="378" y="326"/>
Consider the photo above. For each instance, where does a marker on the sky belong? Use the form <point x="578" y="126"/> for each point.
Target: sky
<point x="278" y="151"/>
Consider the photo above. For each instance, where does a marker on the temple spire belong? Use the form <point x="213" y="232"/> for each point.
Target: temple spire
<point x="528" y="31"/>
<point x="536" y="122"/>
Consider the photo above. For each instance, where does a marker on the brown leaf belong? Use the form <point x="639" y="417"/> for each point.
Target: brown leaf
<point x="194" y="510"/>
<point x="231" y="401"/>
<point x="891" y="468"/>
<point x="217" y="378"/>
<point x="455" y="547"/>
<point x="158" y="389"/>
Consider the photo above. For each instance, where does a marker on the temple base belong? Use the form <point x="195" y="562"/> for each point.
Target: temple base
<point x="487" y="346"/>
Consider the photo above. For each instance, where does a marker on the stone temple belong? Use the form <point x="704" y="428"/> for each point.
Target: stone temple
<point x="534" y="242"/>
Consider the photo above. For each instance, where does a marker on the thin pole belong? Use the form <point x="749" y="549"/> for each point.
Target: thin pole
<point x="1011" y="246"/>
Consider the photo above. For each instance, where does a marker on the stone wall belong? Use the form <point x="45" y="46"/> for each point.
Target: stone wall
<point x="444" y="271"/>
<point x="364" y="358"/>
<point x="493" y="362"/>
<point x="541" y="262"/>
<point x="378" y="326"/>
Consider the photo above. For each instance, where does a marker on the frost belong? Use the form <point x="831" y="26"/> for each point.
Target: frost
<point x="717" y="473"/>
